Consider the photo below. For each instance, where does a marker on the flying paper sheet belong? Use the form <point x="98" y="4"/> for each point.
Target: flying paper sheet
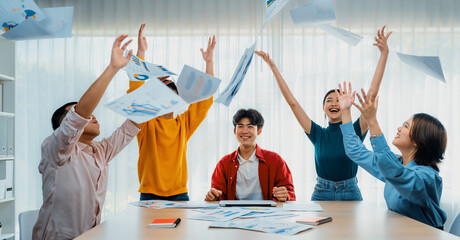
<point x="140" y="70"/>
<point x="267" y="226"/>
<point x="151" y="100"/>
<point x="31" y="10"/>
<point x="234" y="85"/>
<point x="57" y="24"/>
<point x="303" y="207"/>
<point x="194" y="86"/>
<point x="314" y="12"/>
<point x="430" y="65"/>
<point x="10" y="14"/>
<point x="344" y="35"/>
<point x="273" y="7"/>
<point x="220" y="214"/>
<point x="13" y="12"/>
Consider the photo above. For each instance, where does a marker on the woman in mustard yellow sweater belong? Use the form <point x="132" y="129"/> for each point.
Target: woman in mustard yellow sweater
<point x="162" y="141"/>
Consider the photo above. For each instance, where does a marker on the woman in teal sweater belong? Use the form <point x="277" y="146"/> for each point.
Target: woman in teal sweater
<point x="336" y="179"/>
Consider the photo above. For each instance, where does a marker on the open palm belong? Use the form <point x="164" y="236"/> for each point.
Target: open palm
<point x="118" y="60"/>
<point x="346" y="96"/>
<point x="209" y="53"/>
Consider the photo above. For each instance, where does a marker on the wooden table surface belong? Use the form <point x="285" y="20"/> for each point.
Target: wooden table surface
<point x="351" y="220"/>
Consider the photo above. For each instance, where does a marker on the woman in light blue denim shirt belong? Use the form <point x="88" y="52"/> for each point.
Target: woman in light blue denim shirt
<point x="413" y="186"/>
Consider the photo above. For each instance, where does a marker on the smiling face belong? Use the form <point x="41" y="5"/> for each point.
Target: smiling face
<point x="402" y="139"/>
<point x="331" y="108"/>
<point x="246" y="133"/>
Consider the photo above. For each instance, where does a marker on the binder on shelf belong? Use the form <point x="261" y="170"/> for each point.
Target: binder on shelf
<point x="3" y="136"/>
<point x="1" y="97"/>
<point x="10" y="136"/>
<point x="2" y="188"/>
<point x="9" y="179"/>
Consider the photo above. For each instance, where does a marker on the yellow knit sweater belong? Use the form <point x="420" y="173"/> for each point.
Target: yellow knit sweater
<point x="162" y="165"/>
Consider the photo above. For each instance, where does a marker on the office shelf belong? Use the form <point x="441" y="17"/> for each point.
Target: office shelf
<point x="7" y="109"/>
<point x="4" y="77"/>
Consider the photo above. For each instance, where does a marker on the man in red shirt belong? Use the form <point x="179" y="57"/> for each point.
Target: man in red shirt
<point x="250" y="172"/>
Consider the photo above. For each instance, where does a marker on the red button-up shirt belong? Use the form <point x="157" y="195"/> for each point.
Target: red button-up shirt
<point x="273" y="172"/>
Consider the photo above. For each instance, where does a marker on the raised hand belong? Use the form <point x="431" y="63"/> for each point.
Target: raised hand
<point x="208" y="55"/>
<point x="280" y="193"/>
<point x="93" y="95"/>
<point x="118" y="61"/>
<point x="381" y="40"/>
<point x="141" y="42"/>
<point x="368" y="107"/>
<point x="346" y="97"/>
<point x="265" y="56"/>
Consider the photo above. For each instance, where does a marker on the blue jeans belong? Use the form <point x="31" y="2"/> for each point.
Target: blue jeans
<point x="346" y="190"/>
<point x="178" y="197"/>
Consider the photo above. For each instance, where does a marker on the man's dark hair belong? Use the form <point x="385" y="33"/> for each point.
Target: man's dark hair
<point x="253" y="115"/>
<point x="59" y="114"/>
<point x="173" y="86"/>
<point x="430" y="136"/>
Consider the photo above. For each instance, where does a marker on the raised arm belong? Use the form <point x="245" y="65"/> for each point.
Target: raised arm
<point x="141" y="49"/>
<point x="354" y="147"/>
<point x="197" y="112"/>
<point x="141" y="43"/>
<point x="368" y="111"/>
<point x="412" y="183"/>
<point x="381" y="43"/>
<point x="346" y="100"/>
<point x="93" y="95"/>
<point x="208" y="55"/>
<point x="298" y="111"/>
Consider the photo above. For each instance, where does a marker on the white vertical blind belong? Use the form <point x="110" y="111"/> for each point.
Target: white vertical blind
<point x="53" y="72"/>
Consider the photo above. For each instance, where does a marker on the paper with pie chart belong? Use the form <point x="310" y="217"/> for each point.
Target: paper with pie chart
<point x="154" y="98"/>
<point x="14" y="12"/>
<point x="57" y="23"/>
<point x="140" y="70"/>
<point x="149" y="101"/>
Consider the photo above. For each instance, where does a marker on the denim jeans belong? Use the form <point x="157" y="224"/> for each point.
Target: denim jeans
<point x="346" y="190"/>
<point x="179" y="197"/>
